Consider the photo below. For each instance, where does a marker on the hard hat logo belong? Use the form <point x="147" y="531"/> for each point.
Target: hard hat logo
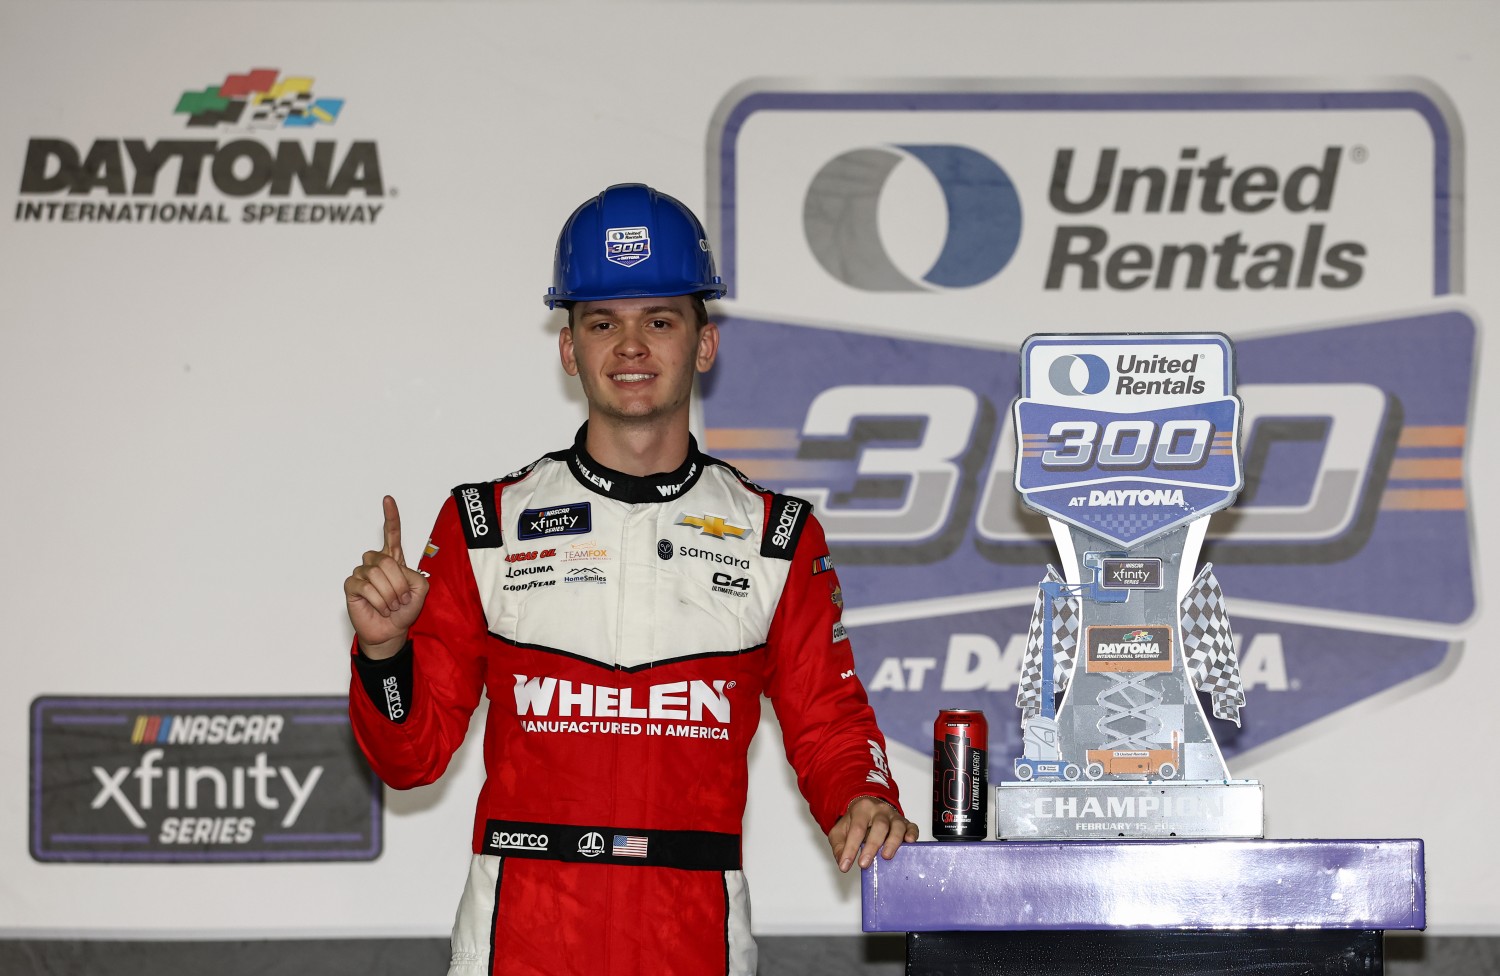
<point x="627" y="246"/>
<point x="653" y="247"/>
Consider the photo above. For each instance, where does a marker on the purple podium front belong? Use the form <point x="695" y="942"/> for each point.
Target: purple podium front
<point x="1139" y="906"/>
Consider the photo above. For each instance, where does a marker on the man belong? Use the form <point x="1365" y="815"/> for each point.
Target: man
<point x="624" y="603"/>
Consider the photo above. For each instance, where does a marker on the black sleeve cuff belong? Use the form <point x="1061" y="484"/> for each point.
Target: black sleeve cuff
<point x="388" y="683"/>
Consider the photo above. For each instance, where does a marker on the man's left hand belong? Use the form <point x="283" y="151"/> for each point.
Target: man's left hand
<point x="871" y="825"/>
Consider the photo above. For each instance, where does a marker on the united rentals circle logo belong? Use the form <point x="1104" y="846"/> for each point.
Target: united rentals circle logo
<point x="841" y="217"/>
<point x="1065" y="373"/>
<point x="173" y="180"/>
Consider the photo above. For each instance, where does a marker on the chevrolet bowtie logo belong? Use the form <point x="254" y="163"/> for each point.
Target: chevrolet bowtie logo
<point x="713" y="525"/>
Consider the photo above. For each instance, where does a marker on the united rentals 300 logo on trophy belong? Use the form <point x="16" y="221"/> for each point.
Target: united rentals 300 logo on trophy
<point x="1127" y="443"/>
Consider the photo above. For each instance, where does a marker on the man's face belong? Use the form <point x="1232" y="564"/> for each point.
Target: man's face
<point x="636" y="356"/>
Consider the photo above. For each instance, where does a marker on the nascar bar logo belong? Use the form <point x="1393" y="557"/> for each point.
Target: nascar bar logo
<point x="199" y="780"/>
<point x="178" y="180"/>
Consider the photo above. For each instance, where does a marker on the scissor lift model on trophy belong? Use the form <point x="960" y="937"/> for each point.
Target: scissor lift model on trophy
<point x="1127" y="443"/>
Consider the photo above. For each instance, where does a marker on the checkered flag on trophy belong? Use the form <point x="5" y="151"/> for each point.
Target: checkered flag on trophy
<point x="1208" y="645"/>
<point x="1065" y="625"/>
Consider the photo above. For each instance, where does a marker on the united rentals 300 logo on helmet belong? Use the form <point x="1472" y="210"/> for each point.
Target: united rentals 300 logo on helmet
<point x="119" y="181"/>
<point x="627" y="246"/>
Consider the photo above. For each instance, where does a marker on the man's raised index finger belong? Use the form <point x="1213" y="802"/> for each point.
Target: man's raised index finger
<point x="393" y="530"/>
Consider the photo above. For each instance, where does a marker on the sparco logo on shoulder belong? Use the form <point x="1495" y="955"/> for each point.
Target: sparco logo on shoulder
<point x="475" y="506"/>
<point x="782" y="535"/>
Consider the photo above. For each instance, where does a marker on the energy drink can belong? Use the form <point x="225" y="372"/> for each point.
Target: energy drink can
<point x="960" y="775"/>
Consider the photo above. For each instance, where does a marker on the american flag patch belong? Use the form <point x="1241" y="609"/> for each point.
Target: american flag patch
<point x="822" y="564"/>
<point x="628" y="845"/>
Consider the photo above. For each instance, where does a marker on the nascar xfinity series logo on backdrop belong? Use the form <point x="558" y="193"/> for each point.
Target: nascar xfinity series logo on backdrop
<point x="195" y="780"/>
<point x="185" y="178"/>
<point x="892" y="244"/>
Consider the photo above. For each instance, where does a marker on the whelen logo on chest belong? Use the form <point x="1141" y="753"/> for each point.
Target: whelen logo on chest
<point x="692" y="701"/>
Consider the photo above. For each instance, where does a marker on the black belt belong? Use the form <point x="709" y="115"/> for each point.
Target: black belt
<point x="691" y="850"/>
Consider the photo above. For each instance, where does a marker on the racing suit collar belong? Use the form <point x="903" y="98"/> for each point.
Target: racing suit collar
<point x="663" y="486"/>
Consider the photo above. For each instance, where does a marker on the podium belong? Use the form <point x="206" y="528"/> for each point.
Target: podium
<point x="1193" y="907"/>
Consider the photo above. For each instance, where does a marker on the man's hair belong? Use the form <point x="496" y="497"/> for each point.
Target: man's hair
<point x="700" y="311"/>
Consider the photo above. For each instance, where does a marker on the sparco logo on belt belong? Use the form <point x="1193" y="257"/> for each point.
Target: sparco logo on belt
<point x="517" y="840"/>
<point x="475" y="507"/>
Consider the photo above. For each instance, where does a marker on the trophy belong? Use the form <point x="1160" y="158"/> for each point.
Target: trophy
<point x="1127" y="443"/>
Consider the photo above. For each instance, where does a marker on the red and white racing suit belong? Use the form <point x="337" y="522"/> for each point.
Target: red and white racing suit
<point x="624" y="629"/>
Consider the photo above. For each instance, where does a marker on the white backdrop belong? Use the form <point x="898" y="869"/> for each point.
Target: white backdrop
<point x="201" y="420"/>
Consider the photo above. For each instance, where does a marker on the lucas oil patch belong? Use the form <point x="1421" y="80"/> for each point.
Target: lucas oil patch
<point x="627" y="246"/>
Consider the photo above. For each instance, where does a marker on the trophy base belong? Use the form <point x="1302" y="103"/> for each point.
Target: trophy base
<point x="1110" y="810"/>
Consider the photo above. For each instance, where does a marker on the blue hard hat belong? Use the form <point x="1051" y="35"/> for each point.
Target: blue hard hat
<point x="632" y="242"/>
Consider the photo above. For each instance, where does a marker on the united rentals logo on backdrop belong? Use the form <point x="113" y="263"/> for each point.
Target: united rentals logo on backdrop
<point x="176" y="180"/>
<point x="199" y="780"/>
<point x="904" y="240"/>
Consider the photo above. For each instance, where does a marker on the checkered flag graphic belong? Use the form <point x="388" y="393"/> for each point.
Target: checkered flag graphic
<point x="1065" y="626"/>
<point x="1208" y="646"/>
<point x="1129" y="525"/>
<point x="272" y="113"/>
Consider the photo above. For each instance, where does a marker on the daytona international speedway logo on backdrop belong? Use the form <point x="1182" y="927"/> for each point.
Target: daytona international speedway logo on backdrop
<point x="891" y="246"/>
<point x="258" y="170"/>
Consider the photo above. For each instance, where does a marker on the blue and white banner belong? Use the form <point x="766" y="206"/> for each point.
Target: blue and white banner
<point x="892" y="244"/>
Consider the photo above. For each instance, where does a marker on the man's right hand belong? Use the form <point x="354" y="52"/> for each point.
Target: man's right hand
<point x="383" y="594"/>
